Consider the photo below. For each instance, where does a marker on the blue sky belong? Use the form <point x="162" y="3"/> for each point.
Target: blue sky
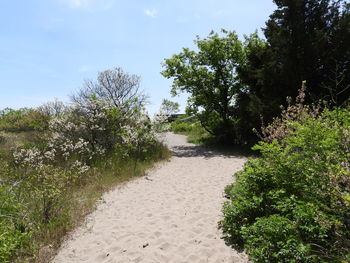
<point x="48" y="47"/>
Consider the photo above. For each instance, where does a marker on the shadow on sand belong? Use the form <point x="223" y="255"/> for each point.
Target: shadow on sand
<point x="197" y="151"/>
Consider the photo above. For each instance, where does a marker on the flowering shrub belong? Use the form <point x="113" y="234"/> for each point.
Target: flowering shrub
<point x="82" y="128"/>
<point x="67" y="139"/>
<point x="280" y="127"/>
<point x="161" y="123"/>
<point x="74" y="141"/>
<point x="45" y="181"/>
<point x="138" y="134"/>
<point x="104" y="133"/>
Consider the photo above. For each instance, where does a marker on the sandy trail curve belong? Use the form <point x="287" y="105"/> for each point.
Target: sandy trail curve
<point x="169" y="216"/>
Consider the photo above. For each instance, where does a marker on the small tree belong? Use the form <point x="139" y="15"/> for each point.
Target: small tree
<point x="209" y="76"/>
<point x="169" y="107"/>
<point x="161" y="119"/>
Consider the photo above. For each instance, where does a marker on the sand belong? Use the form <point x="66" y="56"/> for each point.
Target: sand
<point x="170" y="215"/>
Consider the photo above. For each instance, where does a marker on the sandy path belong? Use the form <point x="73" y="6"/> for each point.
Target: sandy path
<point x="169" y="216"/>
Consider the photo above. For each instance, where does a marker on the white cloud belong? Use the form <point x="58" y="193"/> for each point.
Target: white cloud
<point x="151" y="12"/>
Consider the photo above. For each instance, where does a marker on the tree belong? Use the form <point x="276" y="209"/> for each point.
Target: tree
<point x="209" y="76"/>
<point x="53" y="108"/>
<point x="260" y="96"/>
<point x="308" y="39"/>
<point x="305" y="40"/>
<point x="121" y="90"/>
<point x="169" y="107"/>
<point x="106" y="106"/>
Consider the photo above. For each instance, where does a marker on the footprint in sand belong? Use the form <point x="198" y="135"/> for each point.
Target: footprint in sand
<point x="175" y="213"/>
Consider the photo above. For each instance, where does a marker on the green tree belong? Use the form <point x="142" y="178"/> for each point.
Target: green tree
<point x="209" y="76"/>
<point x="305" y="40"/>
<point x="260" y="97"/>
<point x="308" y="39"/>
<point x="169" y="107"/>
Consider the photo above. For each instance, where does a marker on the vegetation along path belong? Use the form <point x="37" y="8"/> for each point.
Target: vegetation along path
<point x="170" y="215"/>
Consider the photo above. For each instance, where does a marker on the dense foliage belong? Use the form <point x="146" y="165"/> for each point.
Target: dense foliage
<point x="305" y="40"/>
<point x="23" y="120"/>
<point x="93" y="140"/>
<point x="233" y="85"/>
<point x="293" y="203"/>
<point x="209" y="76"/>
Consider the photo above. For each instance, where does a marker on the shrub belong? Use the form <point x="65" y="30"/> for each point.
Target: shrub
<point x="182" y="127"/>
<point x="298" y="112"/>
<point x="11" y="234"/>
<point x="137" y="135"/>
<point x="74" y="142"/>
<point x="195" y="132"/>
<point x="49" y="180"/>
<point x="274" y="239"/>
<point x="10" y="240"/>
<point x="292" y="203"/>
<point x="23" y="120"/>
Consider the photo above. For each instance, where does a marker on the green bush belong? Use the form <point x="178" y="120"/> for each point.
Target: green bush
<point x="192" y="128"/>
<point x="12" y="236"/>
<point x="10" y="240"/>
<point x="182" y="127"/>
<point x="292" y="204"/>
<point x="22" y="120"/>
<point x="274" y="239"/>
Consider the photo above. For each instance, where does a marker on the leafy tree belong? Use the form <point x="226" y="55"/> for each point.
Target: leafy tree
<point x="169" y="107"/>
<point x="305" y="40"/>
<point x="260" y="95"/>
<point x="209" y="76"/>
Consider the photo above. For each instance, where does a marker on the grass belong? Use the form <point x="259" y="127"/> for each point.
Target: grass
<point x="78" y="201"/>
